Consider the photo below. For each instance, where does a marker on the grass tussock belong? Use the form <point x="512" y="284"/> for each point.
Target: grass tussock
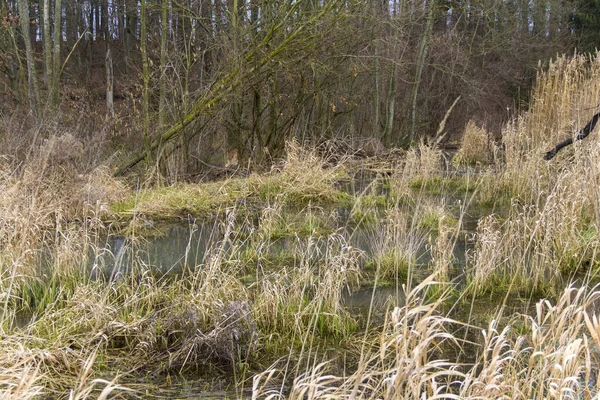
<point x="422" y="164"/>
<point x="308" y="299"/>
<point x="397" y="247"/>
<point x="183" y="200"/>
<point x="475" y="148"/>
<point x="303" y="178"/>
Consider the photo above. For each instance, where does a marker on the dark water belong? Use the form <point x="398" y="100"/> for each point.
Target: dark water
<point x="178" y="247"/>
<point x="181" y="246"/>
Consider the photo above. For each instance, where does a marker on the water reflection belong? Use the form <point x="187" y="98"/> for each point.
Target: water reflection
<point x="178" y="246"/>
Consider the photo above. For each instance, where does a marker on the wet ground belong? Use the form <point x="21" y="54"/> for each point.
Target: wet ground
<point x="170" y="249"/>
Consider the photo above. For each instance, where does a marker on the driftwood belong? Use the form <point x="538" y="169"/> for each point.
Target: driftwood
<point x="580" y="135"/>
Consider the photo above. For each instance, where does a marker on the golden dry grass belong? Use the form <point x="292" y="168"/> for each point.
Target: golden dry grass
<point x="553" y="218"/>
<point x="287" y="326"/>
<point x="475" y="148"/>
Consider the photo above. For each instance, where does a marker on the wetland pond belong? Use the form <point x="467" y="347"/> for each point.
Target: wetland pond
<point x="285" y="237"/>
<point x="398" y="237"/>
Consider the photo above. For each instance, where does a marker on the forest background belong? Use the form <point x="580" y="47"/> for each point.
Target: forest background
<point x="186" y="85"/>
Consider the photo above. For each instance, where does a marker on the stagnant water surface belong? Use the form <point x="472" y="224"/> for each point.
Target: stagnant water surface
<point x="172" y="249"/>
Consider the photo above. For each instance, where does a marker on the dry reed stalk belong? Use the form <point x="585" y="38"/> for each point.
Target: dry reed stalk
<point x="420" y="164"/>
<point x="563" y="100"/>
<point x="475" y="148"/>
<point x="20" y="378"/>
<point x="551" y="358"/>
<point x="397" y="246"/>
<point x="543" y="239"/>
<point x="442" y="252"/>
<point x="403" y="366"/>
<point x="551" y="229"/>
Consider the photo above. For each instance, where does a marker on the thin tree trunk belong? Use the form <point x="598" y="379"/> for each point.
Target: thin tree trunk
<point x="108" y="61"/>
<point x="391" y="106"/>
<point x="120" y="4"/>
<point x="110" y="105"/>
<point x="376" y="95"/>
<point x="47" y="47"/>
<point x="55" y="89"/>
<point x="162" y="101"/>
<point x="32" y="85"/>
<point x="72" y="10"/>
<point x="163" y="66"/>
<point x="257" y="127"/>
<point x="524" y="15"/>
<point x="21" y="83"/>
<point x="235" y="139"/>
<point x="422" y="55"/>
<point x="103" y="7"/>
<point x="146" y="82"/>
<point x="376" y="102"/>
<point x="130" y="30"/>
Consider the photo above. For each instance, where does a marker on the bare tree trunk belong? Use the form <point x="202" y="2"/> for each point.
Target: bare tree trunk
<point x="32" y="85"/>
<point x="120" y="4"/>
<point x="55" y="88"/>
<point x="108" y="62"/>
<point x="524" y="11"/>
<point x="110" y="105"/>
<point x="421" y="57"/>
<point x="20" y="83"/>
<point x="163" y="66"/>
<point x="72" y="19"/>
<point x="47" y="47"/>
<point x="235" y="134"/>
<point x="257" y="126"/>
<point x="162" y="101"/>
<point x="146" y="80"/>
<point x="539" y="17"/>
<point x="103" y="8"/>
<point x="130" y="29"/>
<point x="376" y="95"/>
<point x="391" y="105"/>
<point x="376" y="101"/>
<point x="207" y="61"/>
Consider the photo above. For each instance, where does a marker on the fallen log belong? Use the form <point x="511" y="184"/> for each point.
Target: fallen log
<point x="580" y="135"/>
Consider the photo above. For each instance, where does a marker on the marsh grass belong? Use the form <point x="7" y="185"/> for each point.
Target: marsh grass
<point x="278" y="222"/>
<point x="240" y="310"/>
<point x="18" y="379"/>
<point x="397" y="247"/>
<point x="476" y="147"/>
<point x="182" y="200"/>
<point x="304" y="178"/>
<point x="552" y="358"/>
<point x="422" y="166"/>
<point x="537" y="245"/>
<point x="132" y="320"/>
<point x="547" y="236"/>
<point x="308" y="298"/>
<point x="367" y="206"/>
